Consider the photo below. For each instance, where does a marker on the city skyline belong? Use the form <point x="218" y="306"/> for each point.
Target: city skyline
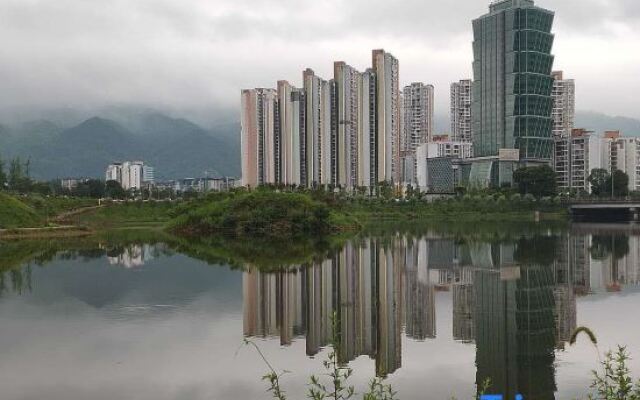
<point x="198" y="58"/>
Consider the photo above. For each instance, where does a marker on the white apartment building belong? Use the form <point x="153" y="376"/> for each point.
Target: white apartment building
<point x="461" y="99"/>
<point x="623" y="153"/>
<point x="564" y="106"/>
<point x="387" y="70"/>
<point x="130" y="174"/>
<point x="258" y="139"/>
<point x="317" y="129"/>
<point x="417" y="115"/>
<point x="575" y="157"/>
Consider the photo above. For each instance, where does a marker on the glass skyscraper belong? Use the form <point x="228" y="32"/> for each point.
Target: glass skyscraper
<point x="512" y="85"/>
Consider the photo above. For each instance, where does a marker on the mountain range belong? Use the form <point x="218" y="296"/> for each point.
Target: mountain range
<point x="176" y="147"/>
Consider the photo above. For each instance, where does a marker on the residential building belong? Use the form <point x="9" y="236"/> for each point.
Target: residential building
<point x="512" y="87"/>
<point x="461" y="124"/>
<point x="317" y="129"/>
<point x="291" y="106"/>
<point x="564" y="105"/>
<point x="343" y="132"/>
<point x="575" y="157"/>
<point x="624" y="155"/>
<point x="130" y="174"/>
<point x="347" y="88"/>
<point x="417" y="127"/>
<point x="417" y="115"/>
<point x="387" y="140"/>
<point x="114" y="172"/>
<point x="258" y="139"/>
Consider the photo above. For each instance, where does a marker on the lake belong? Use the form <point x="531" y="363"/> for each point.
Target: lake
<point x="432" y="309"/>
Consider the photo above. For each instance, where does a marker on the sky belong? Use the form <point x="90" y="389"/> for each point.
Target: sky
<point x="184" y="54"/>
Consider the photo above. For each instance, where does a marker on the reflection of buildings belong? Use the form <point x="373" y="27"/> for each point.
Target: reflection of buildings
<point x="419" y="301"/>
<point x="516" y="300"/>
<point x="131" y="256"/>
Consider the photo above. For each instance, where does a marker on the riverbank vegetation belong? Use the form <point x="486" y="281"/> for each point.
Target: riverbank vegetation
<point x="259" y="213"/>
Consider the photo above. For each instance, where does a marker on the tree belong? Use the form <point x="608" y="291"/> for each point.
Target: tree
<point x="618" y="182"/>
<point x="18" y="180"/>
<point x="3" y="176"/>
<point x="537" y="181"/>
<point x="91" y="188"/>
<point x="114" y="190"/>
<point x="598" y="181"/>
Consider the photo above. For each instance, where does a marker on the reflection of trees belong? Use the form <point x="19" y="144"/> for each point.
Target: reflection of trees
<point x="263" y="254"/>
<point x="603" y="246"/>
<point x="536" y="250"/>
<point x="18" y="257"/>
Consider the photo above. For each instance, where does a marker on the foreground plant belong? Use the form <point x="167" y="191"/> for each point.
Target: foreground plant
<point x="614" y="381"/>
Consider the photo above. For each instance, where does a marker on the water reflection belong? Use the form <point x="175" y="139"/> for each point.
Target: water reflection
<point x="514" y="298"/>
<point x="511" y="295"/>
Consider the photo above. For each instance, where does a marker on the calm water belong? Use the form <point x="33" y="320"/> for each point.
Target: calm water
<point x="434" y="310"/>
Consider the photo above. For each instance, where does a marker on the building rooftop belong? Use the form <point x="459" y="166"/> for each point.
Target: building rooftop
<point x="500" y="5"/>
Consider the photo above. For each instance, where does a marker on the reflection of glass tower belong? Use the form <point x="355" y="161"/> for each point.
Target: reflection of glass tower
<point x="564" y="293"/>
<point x="515" y="328"/>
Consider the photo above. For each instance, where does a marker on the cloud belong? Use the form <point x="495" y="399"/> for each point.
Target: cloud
<point x="191" y="53"/>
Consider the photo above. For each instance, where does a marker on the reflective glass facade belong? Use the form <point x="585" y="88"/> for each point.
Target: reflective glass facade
<point x="512" y="85"/>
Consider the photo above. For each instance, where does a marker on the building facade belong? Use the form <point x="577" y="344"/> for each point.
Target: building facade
<point x="564" y="105"/>
<point x="461" y="99"/>
<point x="623" y="154"/>
<point x="387" y="139"/>
<point x="343" y="132"/>
<point x="417" y="113"/>
<point x="258" y="142"/>
<point x="130" y="174"/>
<point x="512" y="87"/>
<point x="575" y="157"/>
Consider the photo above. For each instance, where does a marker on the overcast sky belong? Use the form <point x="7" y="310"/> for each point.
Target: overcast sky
<point x="197" y="53"/>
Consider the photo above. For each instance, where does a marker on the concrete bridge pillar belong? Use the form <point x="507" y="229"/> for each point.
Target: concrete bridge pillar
<point x="635" y="215"/>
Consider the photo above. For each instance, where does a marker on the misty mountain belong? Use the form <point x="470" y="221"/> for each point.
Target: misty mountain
<point x="599" y="123"/>
<point x="176" y="147"/>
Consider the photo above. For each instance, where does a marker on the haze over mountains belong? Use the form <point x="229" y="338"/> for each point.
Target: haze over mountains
<point x="70" y="143"/>
<point x="176" y="147"/>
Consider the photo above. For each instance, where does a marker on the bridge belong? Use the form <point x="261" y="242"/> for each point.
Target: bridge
<point x="604" y="210"/>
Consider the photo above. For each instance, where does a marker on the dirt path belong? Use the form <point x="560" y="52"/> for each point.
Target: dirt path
<point x="64" y="217"/>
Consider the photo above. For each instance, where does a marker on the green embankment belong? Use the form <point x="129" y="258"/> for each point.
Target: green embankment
<point x="259" y="214"/>
<point x="468" y="209"/>
<point x="16" y="214"/>
<point x="126" y="215"/>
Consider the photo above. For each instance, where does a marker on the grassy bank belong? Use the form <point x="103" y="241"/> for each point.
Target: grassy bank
<point x="16" y="214"/>
<point x="35" y="211"/>
<point x="126" y="215"/>
<point x="455" y="209"/>
<point x="268" y="213"/>
<point x="259" y="214"/>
